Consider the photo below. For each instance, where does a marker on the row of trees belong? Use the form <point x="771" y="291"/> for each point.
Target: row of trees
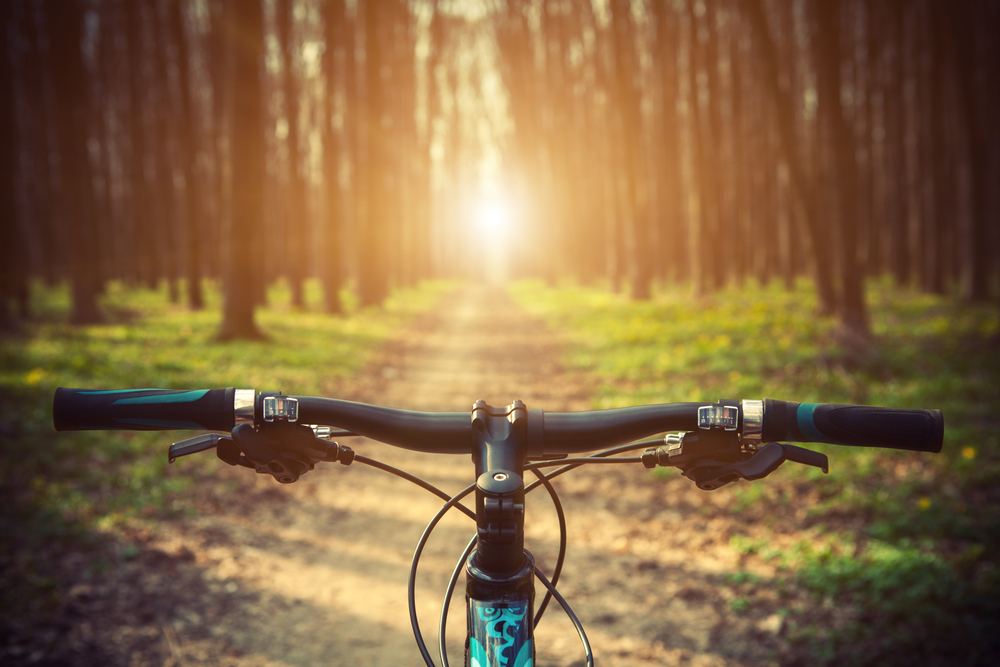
<point x="641" y="141"/>
<point x="184" y="139"/>
<point x="715" y="140"/>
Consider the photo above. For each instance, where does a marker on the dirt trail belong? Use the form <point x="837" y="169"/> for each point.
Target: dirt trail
<point x="315" y="573"/>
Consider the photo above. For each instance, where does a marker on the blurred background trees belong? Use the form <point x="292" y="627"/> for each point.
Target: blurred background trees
<point x="376" y="143"/>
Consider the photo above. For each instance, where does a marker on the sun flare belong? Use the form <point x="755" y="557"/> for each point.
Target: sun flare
<point x="493" y="216"/>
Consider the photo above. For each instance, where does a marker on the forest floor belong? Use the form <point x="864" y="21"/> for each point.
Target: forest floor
<point x="313" y="573"/>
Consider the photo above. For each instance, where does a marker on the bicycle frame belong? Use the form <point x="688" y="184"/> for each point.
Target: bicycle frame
<point x="500" y="617"/>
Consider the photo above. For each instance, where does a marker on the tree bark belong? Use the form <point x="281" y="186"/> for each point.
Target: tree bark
<point x="221" y="73"/>
<point x="976" y="251"/>
<point x="853" y="310"/>
<point x="141" y="201"/>
<point x="356" y="139"/>
<point x="895" y="205"/>
<point x="804" y="195"/>
<point x="942" y="167"/>
<point x="72" y="94"/>
<point x="671" y="211"/>
<point x="193" y="202"/>
<point x="334" y="21"/>
<point x="244" y="27"/>
<point x="9" y="249"/>
<point x="164" y="213"/>
<point x="713" y="165"/>
<point x="696" y="232"/>
<point x="296" y="229"/>
<point x="372" y="283"/>
<point x="629" y="102"/>
<point x="372" y="280"/>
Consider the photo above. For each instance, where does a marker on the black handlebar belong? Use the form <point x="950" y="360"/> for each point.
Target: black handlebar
<point x="549" y="433"/>
<point x="854" y="425"/>
<point x="143" y="409"/>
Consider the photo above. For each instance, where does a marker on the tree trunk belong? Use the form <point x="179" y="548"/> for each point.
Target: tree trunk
<point x="853" y="310"/>
<point x="372" y="282"/>
<point x="73" y="99"/>
<point x="804" y="196"/>
<point x="671" y="211"/>
<point x="296" y="229"/>
<point x="895" y="205"/>
<point x="244" y="27"/>
<point x="335" y="22"/>
<point x="355" y="139"/>
<point x="141" y="201"/>
<point x="739" y="164"/>
<point x="976" y="253"/>
<point x="192" y="205"/>
<point x="694" y="201"/>
<point x="403" y="235"/>
<point x="221" y="73"/>
<point x="36" y="133"/>
<point x="8" y="159"/>
<point x="629" y="101"/>
<point x="714" y="169"/>
<point x="942" y="167"/>
<point x="164" y="212"/>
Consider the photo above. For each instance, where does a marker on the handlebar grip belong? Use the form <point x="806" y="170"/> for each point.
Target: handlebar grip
<point x="854" y="425"/>
<point x="143" y="409"/>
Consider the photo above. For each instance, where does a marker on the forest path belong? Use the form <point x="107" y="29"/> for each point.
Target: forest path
<point x="315" y="573"/>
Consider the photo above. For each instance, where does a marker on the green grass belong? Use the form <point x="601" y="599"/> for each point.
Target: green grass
<point x="901" y="549"/>
<point x="78" y="487"/>
<point x="896" y="555"/>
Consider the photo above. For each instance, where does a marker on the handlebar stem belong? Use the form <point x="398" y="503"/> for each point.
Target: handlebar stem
<point x="499" y="451"/>
<point x="501" y="441"/>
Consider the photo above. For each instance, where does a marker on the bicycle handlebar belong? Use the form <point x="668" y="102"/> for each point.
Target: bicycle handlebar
<point x="143" y="409"/>
<point x="853" y="425"/>
<point x="723" y="442"/>
<point x="432" y="432"/>
<point x="549" y="433"/>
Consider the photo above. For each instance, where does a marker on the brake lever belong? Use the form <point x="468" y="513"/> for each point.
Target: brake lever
<point x="761" y="464"/>
<point x="199" y="443"/>
<point x="806" y="457"/>
<point x="284" y="450"/>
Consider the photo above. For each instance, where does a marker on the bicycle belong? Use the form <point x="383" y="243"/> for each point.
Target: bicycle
<point x="712" y="444"/>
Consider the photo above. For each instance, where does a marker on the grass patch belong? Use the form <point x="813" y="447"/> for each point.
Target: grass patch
<point x="72" y="488"/>
<point x="902" y="546"/>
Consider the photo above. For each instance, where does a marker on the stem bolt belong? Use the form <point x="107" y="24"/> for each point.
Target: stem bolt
<point x="500" y="477"/>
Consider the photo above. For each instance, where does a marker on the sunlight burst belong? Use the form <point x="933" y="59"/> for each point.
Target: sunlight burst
<point x="493" y="216"/>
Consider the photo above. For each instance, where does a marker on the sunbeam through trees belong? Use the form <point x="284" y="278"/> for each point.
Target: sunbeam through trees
<point x="371" y="144"/>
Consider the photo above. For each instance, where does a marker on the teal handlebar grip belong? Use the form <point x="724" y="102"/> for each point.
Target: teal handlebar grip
<point x="143" y="409"/>
<point x="854" y="425"/>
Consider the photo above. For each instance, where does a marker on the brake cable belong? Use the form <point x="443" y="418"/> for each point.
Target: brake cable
<point x="557" y="504"/>
<point x="454" y="501"/>
<point x="576" y="463"/>
<point x="411" y="584"/>
<point x="456" y="573"/>
<point x="416" y="480"/>
<point x="568" y="464"/>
